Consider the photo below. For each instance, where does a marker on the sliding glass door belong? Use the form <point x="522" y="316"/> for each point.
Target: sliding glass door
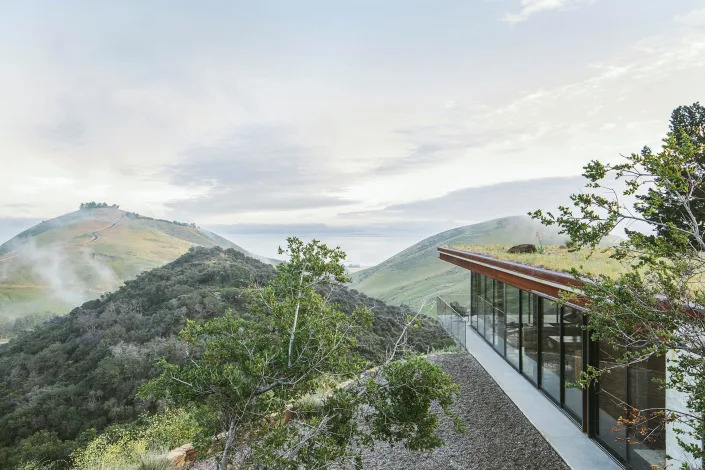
<point x="550" y="349"/>
<point x="573" y="361"/>
<point x="513" y="324"/>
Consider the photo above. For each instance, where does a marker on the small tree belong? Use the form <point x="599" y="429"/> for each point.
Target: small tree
<point x="658" y="304"/>
<point x="283" y="384"/>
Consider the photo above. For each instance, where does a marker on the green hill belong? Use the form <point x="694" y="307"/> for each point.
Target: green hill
<point x="62" y="262"/>
<point x="78" y="373"/>
<point x="416" y="272"/>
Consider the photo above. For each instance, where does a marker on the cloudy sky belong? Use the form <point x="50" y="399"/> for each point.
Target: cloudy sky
<point x="372" y="122"/>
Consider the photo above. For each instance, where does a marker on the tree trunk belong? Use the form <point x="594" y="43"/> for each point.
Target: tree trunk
<point x="228" y="444"/>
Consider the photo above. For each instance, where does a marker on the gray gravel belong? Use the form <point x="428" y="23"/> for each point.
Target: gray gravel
<point x="498" y="435"/>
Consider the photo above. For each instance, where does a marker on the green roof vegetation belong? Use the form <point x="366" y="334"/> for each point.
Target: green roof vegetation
<point x="557" y="258"/>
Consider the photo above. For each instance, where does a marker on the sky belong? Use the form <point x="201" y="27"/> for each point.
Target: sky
<point x="365" y="123"/>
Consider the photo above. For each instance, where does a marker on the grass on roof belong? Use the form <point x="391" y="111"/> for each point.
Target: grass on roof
<point x="557" y="258"/>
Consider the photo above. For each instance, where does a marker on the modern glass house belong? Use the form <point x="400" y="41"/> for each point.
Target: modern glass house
<point x="515" y="308"/>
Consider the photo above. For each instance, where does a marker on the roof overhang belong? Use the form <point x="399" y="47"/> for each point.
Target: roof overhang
<point x="540" y="281"/>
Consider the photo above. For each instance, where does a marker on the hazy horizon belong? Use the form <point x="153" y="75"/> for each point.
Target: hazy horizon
<point x="397" y="119"/>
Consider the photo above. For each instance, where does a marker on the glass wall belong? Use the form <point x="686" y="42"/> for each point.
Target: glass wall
<point x="488" y="317"/>
<point x="475" y="291"/>
<point x="513" y="324"/>
<point x="644" y="394"/>
<point x="550" y="348"/>
<point x="499" y="325"/>
<point x="529" y="337"/>
<point x="573" y="360"/>
<point x="612" y="402"/>
<point x="546" y="342"/>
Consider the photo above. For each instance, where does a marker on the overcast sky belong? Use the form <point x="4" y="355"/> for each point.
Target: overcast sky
<point x="348" y="118"/>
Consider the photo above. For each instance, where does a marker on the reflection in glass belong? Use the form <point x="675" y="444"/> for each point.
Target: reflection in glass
<point x="487" y="309"/>
<point x="529" y="336"/>
<point x="512" y="324"/>
<point x="476" y="280"/>
<point x="612" y="401"/>
<point x="573" y="360"/>
<point x="644" y="394"/>
<point x="499" y="325"/>
<point x="551" y="349"/>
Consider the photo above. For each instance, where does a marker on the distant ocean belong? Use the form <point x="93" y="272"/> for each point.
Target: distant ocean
<point x="367" y="250"/>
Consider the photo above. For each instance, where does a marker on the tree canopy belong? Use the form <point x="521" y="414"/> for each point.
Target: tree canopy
<point x="658" y="305"/>
<point x="75" y="375"/>
<point x="252" y="373"/>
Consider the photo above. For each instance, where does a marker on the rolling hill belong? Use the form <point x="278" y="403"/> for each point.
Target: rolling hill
<point x="60" y="263"/>
<point x="416" y="272"/>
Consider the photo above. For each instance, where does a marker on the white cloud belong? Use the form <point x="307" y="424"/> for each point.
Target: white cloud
<point x="692" y="18"/>
<point x="531" y="7"/>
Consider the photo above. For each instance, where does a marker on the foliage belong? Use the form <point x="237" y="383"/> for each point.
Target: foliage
<point x="82" y="371"/>
<point x="249" y="368"/>
<point x="11" y="328"/>
<point x="656" y="305"/>
<point x="138" y="443"/>
<point x="97" y="205"/>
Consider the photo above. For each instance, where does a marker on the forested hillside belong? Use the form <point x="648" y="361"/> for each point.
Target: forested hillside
<point x="79" y="373"/>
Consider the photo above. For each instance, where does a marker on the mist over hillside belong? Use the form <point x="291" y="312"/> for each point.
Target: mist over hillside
<point x="62" y="262"/>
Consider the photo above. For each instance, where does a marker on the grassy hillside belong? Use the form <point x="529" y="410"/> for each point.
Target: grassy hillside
<point x="62" y="262"/>
<point x="416" y="272"/>
<point x="80" y="372"/>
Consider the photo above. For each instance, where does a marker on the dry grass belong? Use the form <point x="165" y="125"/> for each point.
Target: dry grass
<point x="556" y="258"/>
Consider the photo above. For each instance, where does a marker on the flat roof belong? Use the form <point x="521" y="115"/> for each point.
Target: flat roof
<point x="539" y="280"/>
<point x="556" y="258"/>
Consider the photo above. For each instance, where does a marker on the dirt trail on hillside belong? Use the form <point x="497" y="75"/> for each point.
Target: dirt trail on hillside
<point x="95" y="234"/>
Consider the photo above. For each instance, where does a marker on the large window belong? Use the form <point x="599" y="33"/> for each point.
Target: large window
<point x="573" y="360"/>
<point x="476" y="288"/>
<point x="645" y="394"/>
<point x="513" y="324"/>
<point x="499" y="325"/>
<point x="546" y="342"/>
<point x="529" y="336"/>
<point x="550" y="349"/>
<point x="612" y="401"/>
<point x="487" y="309"/>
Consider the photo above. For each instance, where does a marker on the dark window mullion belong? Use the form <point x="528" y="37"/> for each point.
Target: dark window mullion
<point x="521" y="331"/>
<point x="538" y="304"/>
<point x="561" y="354"/>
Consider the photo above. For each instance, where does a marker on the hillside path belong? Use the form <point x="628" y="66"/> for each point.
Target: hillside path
<point x="95" y="234"/>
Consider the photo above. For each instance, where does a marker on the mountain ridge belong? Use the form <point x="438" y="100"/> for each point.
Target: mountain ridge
<point x="62" y="262"/>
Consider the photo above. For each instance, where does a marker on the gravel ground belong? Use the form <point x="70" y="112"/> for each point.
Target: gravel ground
<point x="498" y="435"/>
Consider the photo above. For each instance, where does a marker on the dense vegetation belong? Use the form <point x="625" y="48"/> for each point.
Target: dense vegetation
<point x="79" y="373"/>
<point x="245" y="370"/>
<point x="97" y="205"/>
<point x="10" y="328"/>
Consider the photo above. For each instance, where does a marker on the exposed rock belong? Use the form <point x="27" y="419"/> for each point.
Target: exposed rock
<point x="182" y="456"/>
<point x="523" y="248"/>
